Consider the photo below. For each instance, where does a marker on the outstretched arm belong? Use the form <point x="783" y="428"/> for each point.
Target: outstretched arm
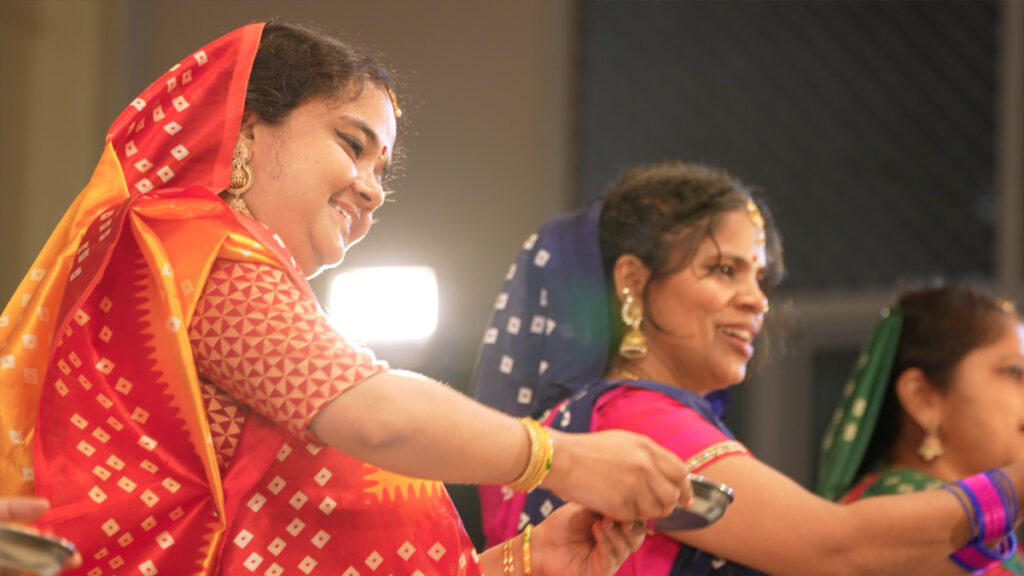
<point x="396" y="420"/>
<point x="776" y="526"/>
<point x="412" y="425"/>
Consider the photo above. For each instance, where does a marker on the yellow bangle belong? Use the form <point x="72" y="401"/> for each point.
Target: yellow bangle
<point x="542" y="452"/>
<point x="527" y="569"/>
<point x="508" y="562"/>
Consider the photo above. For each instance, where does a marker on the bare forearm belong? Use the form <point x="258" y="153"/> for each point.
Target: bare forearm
<point x="416" y="426"/>
<point x="776" y="526"/>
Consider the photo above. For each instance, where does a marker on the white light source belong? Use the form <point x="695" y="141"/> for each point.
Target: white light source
<point x="384" y="304"/>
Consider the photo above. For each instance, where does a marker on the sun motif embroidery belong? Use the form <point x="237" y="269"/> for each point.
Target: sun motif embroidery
<point x="397" y="485"/>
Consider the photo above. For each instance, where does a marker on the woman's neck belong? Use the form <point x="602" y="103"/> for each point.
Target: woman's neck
<point x="645" y="369"/>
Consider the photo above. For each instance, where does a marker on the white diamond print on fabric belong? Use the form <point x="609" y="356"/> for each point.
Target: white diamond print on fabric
<point x="253" y="561"/>
<point x="327" y="506"/>
<point x="243" y="539"/>
<point x="322" y="476"/>
<point x="276" y="485"/>
<point x="436" y="551"/>
<point x="525" y="395"/>
<point x="276" y="546"/>
<point x="295" y="527"/>
<point x="298" y="500"/>
<point x="165" y="540"/>
<point x="320" y="539"/>
<point x="256" y="502"/>
<point x="513" y="325"/>
<point x="406" y="550"/>
<point x="307" y="565"/>
<point x="506" y="364"/>
<point x="374" y="560"/>
<point x="542" y="257"/>
<point x="530" y="242"/>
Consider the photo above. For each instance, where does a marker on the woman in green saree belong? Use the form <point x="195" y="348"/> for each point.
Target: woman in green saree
<point x="936" y="396"/>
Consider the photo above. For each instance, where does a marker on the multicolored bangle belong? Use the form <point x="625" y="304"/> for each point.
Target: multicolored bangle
<point x="527" y="568"/>
<point x="542" y="453"/>
<point x="990" y="501"/>
<point x="978" y="558"/>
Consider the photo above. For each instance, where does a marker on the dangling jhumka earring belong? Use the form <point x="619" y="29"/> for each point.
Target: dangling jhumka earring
<point x="930" y="447"/>
<point x="241" y="180"/>
<point x="634" y="344"/>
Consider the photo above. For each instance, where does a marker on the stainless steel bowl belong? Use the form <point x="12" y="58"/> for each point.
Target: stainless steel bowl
<point x="25" y="549"/>
<point x="710" y="500"/>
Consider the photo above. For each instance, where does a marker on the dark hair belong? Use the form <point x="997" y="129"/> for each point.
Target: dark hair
<point x="941" y="325"/>
<point x="294" y="63"/>
<point x="661" y="212"/>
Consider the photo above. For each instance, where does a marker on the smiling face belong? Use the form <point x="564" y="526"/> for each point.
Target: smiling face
<point x="317" y="174"/>
<point x="982" y="412"/>
<point x="710" y="311"/>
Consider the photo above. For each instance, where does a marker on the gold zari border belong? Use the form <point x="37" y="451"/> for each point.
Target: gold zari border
<point x="714" y="451"/>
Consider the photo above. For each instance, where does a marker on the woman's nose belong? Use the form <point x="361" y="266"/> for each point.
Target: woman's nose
<point x="370" y="190"/>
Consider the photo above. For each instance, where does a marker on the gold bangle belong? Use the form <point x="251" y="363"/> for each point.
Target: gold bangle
<point x="527" y="569"/>
<point x="508" y="562"/>
<point x="542" y="451"/>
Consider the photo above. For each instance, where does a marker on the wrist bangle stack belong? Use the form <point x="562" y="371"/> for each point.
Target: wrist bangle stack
<point x="527" y="568"/>
<point x="542" y="452"/>
<point x="990" y="501"/>
<point x="508" y="562"/>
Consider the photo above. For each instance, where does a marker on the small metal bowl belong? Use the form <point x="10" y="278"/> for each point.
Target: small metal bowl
<point x="710" y="500"/>
<point x="25" y="549"/>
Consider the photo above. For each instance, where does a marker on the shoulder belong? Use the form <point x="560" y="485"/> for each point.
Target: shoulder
<point x="671" y="424"/>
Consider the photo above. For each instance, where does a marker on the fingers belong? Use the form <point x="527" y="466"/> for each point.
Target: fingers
<point x="618" y="539"/>
<point x="22" y="509"/>
<point x="675" y="471"/>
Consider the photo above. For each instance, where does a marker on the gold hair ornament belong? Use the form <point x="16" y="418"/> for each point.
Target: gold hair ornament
<point x="634" y="343"/>
<point x="394" y="103"/>
<point x="755" y="216"/>
<point x="241" y="180"/>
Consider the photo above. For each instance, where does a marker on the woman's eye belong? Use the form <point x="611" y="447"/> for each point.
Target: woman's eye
<point x="724" y="269"/>
<point x="353" y="143"/>
<point x="1015" y="372"/>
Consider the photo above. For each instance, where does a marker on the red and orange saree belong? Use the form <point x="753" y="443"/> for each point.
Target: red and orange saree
<point x="151" y="466"/>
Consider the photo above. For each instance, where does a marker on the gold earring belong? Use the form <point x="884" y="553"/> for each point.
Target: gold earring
<point x="634" y="344"/>
<point x="241" y="180"/>
<point x="930" y="447"/>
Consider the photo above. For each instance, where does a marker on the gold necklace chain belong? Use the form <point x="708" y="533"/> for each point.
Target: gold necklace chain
<point x="624" y="374"/>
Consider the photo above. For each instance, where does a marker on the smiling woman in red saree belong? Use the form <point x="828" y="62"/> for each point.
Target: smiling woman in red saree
<point x="168" y="381"/>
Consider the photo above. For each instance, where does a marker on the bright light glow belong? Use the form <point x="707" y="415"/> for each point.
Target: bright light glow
<point x="384" y="304"/>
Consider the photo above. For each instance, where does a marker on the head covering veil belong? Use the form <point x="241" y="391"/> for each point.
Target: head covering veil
<point x="96" y="333"/>
<point x="550" y="332"/>
<point x="849" y="433"/>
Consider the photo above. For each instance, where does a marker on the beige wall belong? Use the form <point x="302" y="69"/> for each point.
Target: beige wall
<point x="487" y="94"/>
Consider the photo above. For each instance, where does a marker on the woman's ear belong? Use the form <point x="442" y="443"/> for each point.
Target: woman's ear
<point x="920" y="400"/>
<point x="629" y="272"/>
<point x="245" y="131"/>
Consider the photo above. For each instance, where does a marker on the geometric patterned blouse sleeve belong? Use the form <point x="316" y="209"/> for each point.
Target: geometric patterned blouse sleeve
<point x="257" y="337"/>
